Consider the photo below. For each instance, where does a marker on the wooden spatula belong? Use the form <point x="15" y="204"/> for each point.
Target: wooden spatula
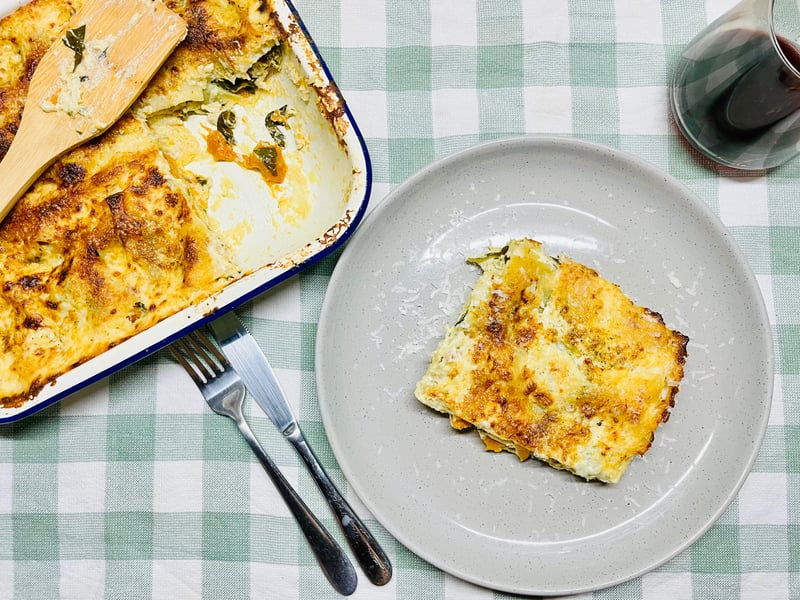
<point x="85" y="82"/>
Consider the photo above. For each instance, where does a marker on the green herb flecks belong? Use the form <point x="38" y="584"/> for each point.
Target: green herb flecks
<point x="75" y="40"/>
<point x="274" y="121"/>
<point x="226" y="122"/>
<point x="269" y="156"/>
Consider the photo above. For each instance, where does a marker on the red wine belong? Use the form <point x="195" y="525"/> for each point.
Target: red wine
<point x="739" y="101"/>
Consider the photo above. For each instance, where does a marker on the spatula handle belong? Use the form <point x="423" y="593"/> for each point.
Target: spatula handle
<point x="22" y="164"/>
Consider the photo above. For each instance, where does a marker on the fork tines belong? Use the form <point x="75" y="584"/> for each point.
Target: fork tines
<point x="205" y="360"/>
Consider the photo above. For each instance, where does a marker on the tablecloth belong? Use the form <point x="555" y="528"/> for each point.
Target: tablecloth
<point x="134" y="489"/>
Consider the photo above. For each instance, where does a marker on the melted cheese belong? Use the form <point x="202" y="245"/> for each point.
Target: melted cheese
<point x="105" y="245"/>
<point x="554" y="361"/>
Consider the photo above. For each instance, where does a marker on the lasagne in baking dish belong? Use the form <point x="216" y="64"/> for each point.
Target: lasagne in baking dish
<point x="553" y="361"/>
<point x="150" y="217"/>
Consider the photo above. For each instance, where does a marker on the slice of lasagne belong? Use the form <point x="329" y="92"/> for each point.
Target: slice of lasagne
<point x="551" y="360"/>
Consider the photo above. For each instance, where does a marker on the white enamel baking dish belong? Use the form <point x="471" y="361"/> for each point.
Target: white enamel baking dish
<point x="340" y="189"/>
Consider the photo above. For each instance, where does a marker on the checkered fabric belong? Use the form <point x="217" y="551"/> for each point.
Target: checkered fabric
<point x="134" y="489"/>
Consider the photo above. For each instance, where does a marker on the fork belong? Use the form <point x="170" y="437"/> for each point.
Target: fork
<point x="224" y="392"/>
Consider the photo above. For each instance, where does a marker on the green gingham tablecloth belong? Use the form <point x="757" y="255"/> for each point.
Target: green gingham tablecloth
<point x="134" y="489"/>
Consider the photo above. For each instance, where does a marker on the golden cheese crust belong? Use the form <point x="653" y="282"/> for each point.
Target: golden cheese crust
<point x="104" y="246"/>
<point x="113" y="237"/>
<point x="552" y="360"/>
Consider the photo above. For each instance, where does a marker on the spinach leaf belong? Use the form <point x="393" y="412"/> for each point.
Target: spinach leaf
<point x="267" y="64"/>
<point x="225" y="125"/>
<point x="269" y="156"/>
<point x="75" y="40"/>
<point x="236" y="86"/>
<point x="272" y="59"/>
<point x="274" y="121"/>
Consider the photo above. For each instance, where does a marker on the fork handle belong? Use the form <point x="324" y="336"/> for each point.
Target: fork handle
<point x="334" y="562"/>
<point x="365" y="547"/>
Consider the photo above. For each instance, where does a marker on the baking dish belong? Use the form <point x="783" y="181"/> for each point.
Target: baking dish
<point x="335" y="183"/>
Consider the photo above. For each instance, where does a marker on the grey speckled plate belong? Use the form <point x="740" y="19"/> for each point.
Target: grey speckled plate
<point x="487" y="518"/>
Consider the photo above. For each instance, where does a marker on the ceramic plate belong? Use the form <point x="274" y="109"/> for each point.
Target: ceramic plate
<point x="488" y="518"/>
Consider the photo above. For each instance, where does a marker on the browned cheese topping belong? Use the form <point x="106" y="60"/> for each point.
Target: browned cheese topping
<point x="554" y="361"/>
